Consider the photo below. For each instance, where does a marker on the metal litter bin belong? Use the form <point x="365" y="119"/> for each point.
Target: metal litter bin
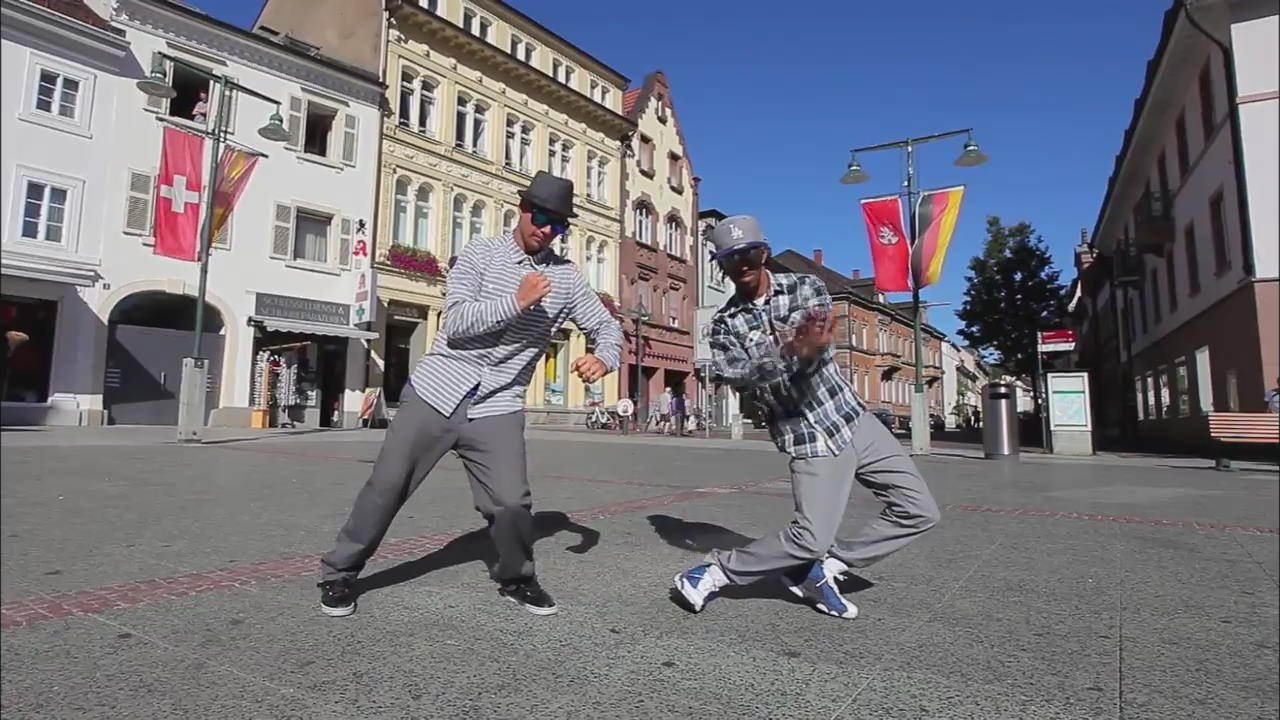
<point x="1000" y="422"/>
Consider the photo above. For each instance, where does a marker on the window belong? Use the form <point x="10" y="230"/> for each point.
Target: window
<point x="601" y="267"/>
<point x="518" y="150"/>
<point x="566" y="160"/>
<point x="476" y="24"/>
<point x="508" y="222"/>
<point x="1162" y="172"/>
<point x="589" y="261"/>
<point x="673" y="310"/>
<point x="674" y="238"/>
<point x="417" y="103"/>
<point x="1171" y="281"/>
<point x="471" y="127"/>
<point x="320" y="130"/>
<point x="1156" y="312"/>
<point x="28" y="369"/>
<point x="562" y="71"/>
<point x="58" y="95"/>
<point x="1204" y="381"/>
<point x="644" y="159"/>
<point x="1207" y="115"/>
<point x="400" y="217"/>
<point x="477" y="221"/>
<point x="1182" y="393"/>
<point x="602" y="179"/>
<point x="44" y="212"/>
<point x="1142" y="307"/>
<point x="1140" y="390"/>
<point x="560" y="157"/>
<point x="675" y="173"/>
<point x="644" y="224"/>
<point x="311" y="237"/>
<point x="1180" y="137"/>
<point x="522" y="49"/>
<point x="408" y="93"/>
<point x="1233" y="392"/>
<point x="1218" y="226"/>
<point x="422" y="218"/>
<point x="598" y="92"/>
<point x="457" y="235"/>
<point x="431" y="5"/>
<point x="1193" y="262"/>
<point x="426" y="107"/>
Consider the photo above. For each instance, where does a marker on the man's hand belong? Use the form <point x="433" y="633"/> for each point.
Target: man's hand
<point x="812" y="335"/>
<point x="533" y="287"/>
<point x="590" y="368"/>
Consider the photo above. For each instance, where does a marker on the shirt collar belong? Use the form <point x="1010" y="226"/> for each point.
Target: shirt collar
<point x="519" y="256"/>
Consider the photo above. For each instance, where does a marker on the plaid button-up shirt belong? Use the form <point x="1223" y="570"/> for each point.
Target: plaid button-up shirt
<point x="810" y="408"/>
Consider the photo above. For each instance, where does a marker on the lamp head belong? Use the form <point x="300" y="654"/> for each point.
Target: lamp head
<point x="274" y="130"/>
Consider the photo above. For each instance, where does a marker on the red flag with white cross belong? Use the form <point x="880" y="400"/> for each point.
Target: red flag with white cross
<point x="177" y="220"/>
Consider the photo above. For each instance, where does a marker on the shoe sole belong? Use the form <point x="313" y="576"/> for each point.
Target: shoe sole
<point x="539" y="611"/>
<point x="338" y="611"/>
<point x="682" y="598"/>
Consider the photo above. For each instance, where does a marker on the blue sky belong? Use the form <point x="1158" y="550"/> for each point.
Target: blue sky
<point x="772" y="97"/>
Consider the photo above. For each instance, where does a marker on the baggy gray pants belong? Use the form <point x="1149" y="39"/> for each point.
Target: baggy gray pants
<point x="821" y="489"/>
<point x="493" y="453"/>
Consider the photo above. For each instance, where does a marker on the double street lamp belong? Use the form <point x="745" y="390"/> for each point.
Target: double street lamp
<point x="191" y="398"/>
<point x="970" y="156"/>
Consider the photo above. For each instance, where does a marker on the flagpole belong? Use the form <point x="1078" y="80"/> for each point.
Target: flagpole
<point x="206" y="228"/>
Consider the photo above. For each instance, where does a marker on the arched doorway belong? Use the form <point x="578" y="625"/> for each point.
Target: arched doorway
<point x="148" y="335"/>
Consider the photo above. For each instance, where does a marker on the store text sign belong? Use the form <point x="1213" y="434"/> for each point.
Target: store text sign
<point x="285" y="307"/>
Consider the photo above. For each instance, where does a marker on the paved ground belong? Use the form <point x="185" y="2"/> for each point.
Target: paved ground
<point x="147" y="580"/>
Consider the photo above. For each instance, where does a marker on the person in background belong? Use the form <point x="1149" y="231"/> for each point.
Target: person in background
<point x="200" y="112"/>
<point x="1273" y="398"/>
<point x="677" y="414"/>
<point x="663" y="408"/>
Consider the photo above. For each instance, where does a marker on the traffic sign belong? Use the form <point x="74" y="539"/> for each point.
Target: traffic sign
<point x="1057" y="341"/>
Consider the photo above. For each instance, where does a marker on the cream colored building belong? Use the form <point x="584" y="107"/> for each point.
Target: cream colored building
<point x="479" y="98"/>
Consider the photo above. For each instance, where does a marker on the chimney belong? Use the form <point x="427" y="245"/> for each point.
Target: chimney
<point x="817" y="256"/>
<point x="857" y="273"/>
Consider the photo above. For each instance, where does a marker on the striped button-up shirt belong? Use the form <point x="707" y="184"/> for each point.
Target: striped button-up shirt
<point x="487" y="347"/>
<point x="811" y="409"/>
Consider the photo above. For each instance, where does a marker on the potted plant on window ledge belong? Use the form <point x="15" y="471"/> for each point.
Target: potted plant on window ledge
<point x="609" y="303"/>
<point x="415" y="261"/>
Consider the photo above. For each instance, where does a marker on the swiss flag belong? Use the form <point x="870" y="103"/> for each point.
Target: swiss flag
<point x="177" y="220"/>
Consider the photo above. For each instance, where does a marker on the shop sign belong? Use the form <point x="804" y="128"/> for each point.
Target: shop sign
<point x="402" y="311"/>
<point x="286" y="307"/>
<point x="364" y="304"/>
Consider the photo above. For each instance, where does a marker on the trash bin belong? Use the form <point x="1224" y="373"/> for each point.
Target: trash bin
<point x="1000" y="422"/>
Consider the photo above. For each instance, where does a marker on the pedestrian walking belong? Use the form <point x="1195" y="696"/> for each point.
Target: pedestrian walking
<point x="506" y="298"/>
<point x="677" y="414"/>
<point x="771" y="339"/>
<point x="663" y="409"/>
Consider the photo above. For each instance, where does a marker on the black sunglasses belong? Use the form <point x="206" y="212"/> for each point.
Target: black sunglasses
<point x="750" y="257"/>
<point x="542" y="218"/>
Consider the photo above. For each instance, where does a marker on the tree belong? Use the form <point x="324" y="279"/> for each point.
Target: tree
<point x="1013" y="292"/>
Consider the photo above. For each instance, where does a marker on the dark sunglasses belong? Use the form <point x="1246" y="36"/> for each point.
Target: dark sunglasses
<point x="751" y="257"/>
<point x="541" y="218"/>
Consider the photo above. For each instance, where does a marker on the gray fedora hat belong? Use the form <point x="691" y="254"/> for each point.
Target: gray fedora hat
<point x="736" y="233"/>
<point x="550" y="193"/>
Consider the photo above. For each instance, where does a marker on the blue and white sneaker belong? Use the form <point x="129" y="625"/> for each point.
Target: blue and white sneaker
<point x="816" y="584"/>
<point x="695" y="586"/>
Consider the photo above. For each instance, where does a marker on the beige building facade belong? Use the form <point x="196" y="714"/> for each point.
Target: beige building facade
<point x="479" y="98"/>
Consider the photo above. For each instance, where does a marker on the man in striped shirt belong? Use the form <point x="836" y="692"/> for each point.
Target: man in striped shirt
<point x="507" y="296"/>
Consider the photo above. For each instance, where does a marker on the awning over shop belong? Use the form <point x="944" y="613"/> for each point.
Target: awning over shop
<point x="312" y="328"/>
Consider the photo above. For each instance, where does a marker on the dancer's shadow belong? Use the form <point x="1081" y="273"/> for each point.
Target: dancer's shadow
<point x="476" y="546"/>
<point x="702" y="538"/>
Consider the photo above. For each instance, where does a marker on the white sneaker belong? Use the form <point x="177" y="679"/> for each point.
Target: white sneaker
<point x="696" y="585"/>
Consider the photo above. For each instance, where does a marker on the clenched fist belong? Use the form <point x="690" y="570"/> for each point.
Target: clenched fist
<point x="590" y="368"/>
<point x="533" y="287"/>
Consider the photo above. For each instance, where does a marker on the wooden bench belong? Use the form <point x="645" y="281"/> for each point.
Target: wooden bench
<point x="1242" y="428"/>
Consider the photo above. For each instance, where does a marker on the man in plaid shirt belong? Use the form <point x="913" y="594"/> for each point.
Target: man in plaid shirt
<point x="772" y="338"/>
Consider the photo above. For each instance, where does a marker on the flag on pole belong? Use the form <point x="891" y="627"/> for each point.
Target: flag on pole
<point x="890" y="252"/>
<point x="177" y="207"/>
<point x="936" y="214"/>
<point x="234" y="169"/>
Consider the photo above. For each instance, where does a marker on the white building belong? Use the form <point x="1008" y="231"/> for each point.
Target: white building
<point x="109" y="320"/>
<point x="1190" y="225"/>
<point x="963" y="376"/>
<point x="714" y="290"/>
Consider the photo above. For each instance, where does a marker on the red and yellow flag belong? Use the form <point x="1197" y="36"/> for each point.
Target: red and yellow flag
<point x="936" y="215"/>
<point x="234" y="169"/>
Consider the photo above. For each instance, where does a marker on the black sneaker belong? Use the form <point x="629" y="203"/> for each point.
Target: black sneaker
<point x="337" y="598"/>
<point x="530" y="595"/>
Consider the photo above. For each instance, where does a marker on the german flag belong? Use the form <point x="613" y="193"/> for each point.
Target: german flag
<point x="936" y="214"/>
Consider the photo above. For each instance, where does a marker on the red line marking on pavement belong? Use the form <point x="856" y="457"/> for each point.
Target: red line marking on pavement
<point x="92" y="601"/>
<point x="1128" y="520"/>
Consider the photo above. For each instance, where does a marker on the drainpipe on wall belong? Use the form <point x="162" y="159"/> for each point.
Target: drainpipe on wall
<point x="1237" y="139"/>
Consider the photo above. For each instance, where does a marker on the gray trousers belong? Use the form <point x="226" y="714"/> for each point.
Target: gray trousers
<point x="821" y="489"/>
<point x="493" y="453"/>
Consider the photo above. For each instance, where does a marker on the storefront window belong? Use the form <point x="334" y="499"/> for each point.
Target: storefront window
<point x="28" y="325"/>
<point x="555" y="373"/>
<point x="1181" y="389"/>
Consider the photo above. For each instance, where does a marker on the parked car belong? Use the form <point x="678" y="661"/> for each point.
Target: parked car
<point x="889" y="419"/>
<point x="937" y="423"/>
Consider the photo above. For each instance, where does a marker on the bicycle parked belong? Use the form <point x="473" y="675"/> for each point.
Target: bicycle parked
<point x="599" y="418"/>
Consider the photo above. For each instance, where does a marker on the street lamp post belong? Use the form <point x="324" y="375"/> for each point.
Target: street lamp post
<point x="971" y="156"/>
<point x="192" y="390"/>
<point x="641" y="315"/>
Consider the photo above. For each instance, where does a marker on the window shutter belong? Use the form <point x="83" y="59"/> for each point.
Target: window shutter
<point x="350" y="134"/>
<point x="155" y="104"/>
<point x="294" y="123"/>
<point x="137" y="216"/>
<point x="223" y="238"/>
<point x="229" y="115"/>
<point x="282" y="232"/>
<point x="345" y="232"/>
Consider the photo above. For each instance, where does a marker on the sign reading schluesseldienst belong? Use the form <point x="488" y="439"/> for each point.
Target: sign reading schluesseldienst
<point x="1057" y="341"/>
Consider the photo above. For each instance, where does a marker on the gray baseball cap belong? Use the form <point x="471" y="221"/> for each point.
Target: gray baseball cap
<point x="734" y="233"/>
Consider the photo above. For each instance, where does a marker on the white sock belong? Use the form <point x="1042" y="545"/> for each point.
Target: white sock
<point x="717" y="576"/>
